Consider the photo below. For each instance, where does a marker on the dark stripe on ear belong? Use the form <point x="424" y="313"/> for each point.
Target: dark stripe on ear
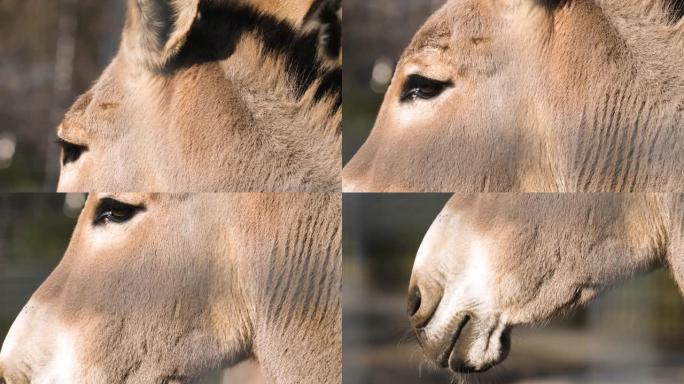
<point x="313" y="10"/>
<point x="675" y="9"/>
<point x="324" y="12"/>
<point x="221" y="26"/>
<point x="330" y="85"/>
<point x="552" y="4"/>
<point x="333" y="33"/>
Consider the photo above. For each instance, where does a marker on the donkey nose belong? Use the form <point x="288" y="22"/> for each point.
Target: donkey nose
<point x="413" y="301"/>
<point x="423" y="300"/>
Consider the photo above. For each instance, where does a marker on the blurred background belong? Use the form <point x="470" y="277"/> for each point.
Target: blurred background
<point x="50" y="52"/>
<point x="34" y="233"/>
<point x="383" y="28"/>
<point x="632" y="334"/>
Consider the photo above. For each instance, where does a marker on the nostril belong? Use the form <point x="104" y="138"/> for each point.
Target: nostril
<point x="414" y="299"/>
<point x="422" y="303"/>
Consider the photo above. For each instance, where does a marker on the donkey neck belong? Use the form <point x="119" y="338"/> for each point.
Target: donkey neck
<point x="652" y="32"/>
<point x="624" y="105"/>
<point x="296" y="305"/>
<point x="628" y="34"/>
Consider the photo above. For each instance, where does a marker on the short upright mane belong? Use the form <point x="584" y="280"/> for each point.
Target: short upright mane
<point x="216" y="34"/>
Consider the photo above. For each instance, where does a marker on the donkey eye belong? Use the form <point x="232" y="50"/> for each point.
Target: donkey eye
<point x="420" y="87"/>
<point x="70" y="152"/>
<point x="113" y="211"/>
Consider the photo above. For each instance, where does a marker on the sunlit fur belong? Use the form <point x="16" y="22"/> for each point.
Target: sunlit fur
<point x="556" y="96"/>
<point x="521" y="259"/>
<point x="192" y="106"/>
<point x="192" y="283"/>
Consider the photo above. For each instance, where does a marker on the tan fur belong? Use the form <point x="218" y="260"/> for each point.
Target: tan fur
<point x="193" y="283"/>
<point x="583" y="96"/>
<point x="292" y="10"/>
<point x="226" y="125"/>
<point x="545" y="254"/>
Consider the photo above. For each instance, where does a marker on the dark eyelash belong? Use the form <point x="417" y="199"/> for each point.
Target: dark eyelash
<point x="411" y="89"/>
<point x="106" y="207"/>
<point x="70" y="152"/>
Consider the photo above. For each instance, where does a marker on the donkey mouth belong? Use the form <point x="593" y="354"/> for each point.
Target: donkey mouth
<point x="486" y="356"/>
<point x="446" y="355"/>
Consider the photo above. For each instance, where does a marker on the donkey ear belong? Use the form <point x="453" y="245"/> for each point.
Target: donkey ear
<point x="325" y="19"/>
<point x="156" y="30"/>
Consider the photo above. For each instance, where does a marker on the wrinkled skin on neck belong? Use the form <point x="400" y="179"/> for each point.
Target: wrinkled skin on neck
<point x="492" y="262"/>
<point x="226" y="96"/>
<point x="191" y="283"/>
<point x="538" y="96"/>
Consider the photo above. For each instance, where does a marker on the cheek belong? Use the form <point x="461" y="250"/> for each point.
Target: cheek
<point x="411" y="116"/>
<point x="436" y="126"/>
<point x="420" y="116"/>
<point x="140" y="260"/>
<point x="72" y="178"/>
<point x="511" y="289"/>
<point x="529" y="284"/>
<point x="519" y="272"/>
<point x="106" y="260"/>
<point x="108" y="240"/>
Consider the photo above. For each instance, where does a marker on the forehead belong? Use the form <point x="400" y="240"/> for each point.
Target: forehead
<point x="100" y="107"/>
<point x="455" y="22"/>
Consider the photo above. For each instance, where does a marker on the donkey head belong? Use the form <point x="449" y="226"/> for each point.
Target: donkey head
<point x="145" y="292"/>
<point x="163" y="288"/>
<point x="208" y="95"/>
<point x="532" y="95"/>
<point x="492" y="262"/>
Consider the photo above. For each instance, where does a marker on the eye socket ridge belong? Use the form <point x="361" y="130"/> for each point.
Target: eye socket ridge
<point x="113" y="211"/>
<point x="420" y="87"/>
<point x="70" y="152"/>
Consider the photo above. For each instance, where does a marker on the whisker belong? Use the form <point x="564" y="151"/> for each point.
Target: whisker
<point x="406" y="337"/>
<point x="454" y="379"/>
<point x="420" y="369"/>
<point x="413" y="354"/>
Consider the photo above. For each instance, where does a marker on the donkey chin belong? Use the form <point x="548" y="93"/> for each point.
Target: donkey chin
<point x="468" y="342"/>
